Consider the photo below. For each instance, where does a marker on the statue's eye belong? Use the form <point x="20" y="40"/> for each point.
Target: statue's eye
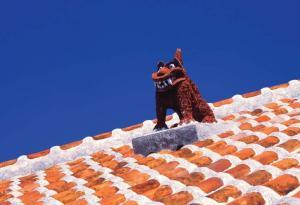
<point x="172" y="66"/>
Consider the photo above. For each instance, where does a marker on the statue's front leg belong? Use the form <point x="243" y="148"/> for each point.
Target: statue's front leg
<point x="161" y="112"/>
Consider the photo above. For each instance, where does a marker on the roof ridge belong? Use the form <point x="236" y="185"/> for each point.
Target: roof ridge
<point x="234" y="104"/>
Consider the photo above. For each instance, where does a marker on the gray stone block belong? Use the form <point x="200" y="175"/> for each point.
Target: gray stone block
<point x="171" y="139"/>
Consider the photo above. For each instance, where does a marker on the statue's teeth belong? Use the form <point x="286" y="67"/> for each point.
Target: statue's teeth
<point x="170" y="81"/>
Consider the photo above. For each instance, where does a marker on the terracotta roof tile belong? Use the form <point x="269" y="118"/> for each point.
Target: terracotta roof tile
<point x="283" y="184"/>
<point x="286" y="163"/>
<point x="223" y="194"/>
<point x="259" y="151"/>
<point x="211" y="184"/>
<point x="239" y="171"/>
<point x="258" y="177"/>
<point x="291" y="145"/>
<point x="179" y="198"/>
<point x="249" y="199"/>
<point x="266" y="157"/>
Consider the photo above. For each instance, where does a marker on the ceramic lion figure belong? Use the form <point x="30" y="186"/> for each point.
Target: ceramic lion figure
<point x="175" y="90"/>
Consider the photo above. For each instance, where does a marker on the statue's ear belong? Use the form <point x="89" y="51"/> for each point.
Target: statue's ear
<point x="178" y="56"/>
<point x="160" y="64"/>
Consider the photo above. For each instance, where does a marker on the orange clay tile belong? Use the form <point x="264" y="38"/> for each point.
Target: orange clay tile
<point x="86" y="173"/>
<point x="183" y="153"/>
<point x="4" y="188"/>
<point x="194" y="155"/>
<point x="180" y="198"/>
<point x="53" y="174"/>
<point x="135" y="177"/>
<point x="263" y="118"/>
<point x="224" y="193"/>
<point x="272" y="105"/>
<point x="102" y="136"/>
<point x="239" y="171"/>
<point x="28" y="186"/>
<point x="268" y="141"/>
<point x="132" y="127"/>
<point x="202" y="161"/>
<point x="283" y="184"/>
<point x="161" y="193"/>
<point x="4" y="197"/>
<point x="257" y="112"/>
<point x="242" y="119"/>
<point x="253" y="198"/>
<point x="4" y="202"/>
<point x="75" y="162"/>
<point x="166" y="167"/>
<point x="156" y="162"/>
<point x="220" y="165"/>
<point x="295" y="105"/>
<point x="93" y="182"/>
<point x="251" y="94"/>
<point x="78" y="168"/>
<point x="102" y="185"/>
<point x="226" y="134"/>
<point x="70" y="145"/>
<point x="217" y="146"/>
<point x="203" y="143"/>
<point x="280" y="111"/>
<point x="245" y="153"/>
<point x="146" y="186"/>
<point x="68" y="196"/>
<point x="227" y="150"/>
<point x="142" y="160"/>
<point x="258" y="177"/>
<point x="106" y="191"/>
<point x="60" y="186"/>
<point x="292" y="131"/>
<point x="179" y="174"/>
<point x="192" y="179"/>
<point x="290" y="122"/>
<point x="290" y="145"/>
<point x="245" y="126"/>
<point x="7" y="163"/>
<point x="78" y="202"/>
<point x="223" y="102"/>
<point x="210" y="184"/>
<point x="269" y="130"/>
<point x="286" y="163"/>
<point x="130" y="202"/>
<point x="279" y="86"/>
<point x="38" y="154"/>
<point x="121" y="171"/>
<point x="123" y="149"/>
<point x="288" y="100"/>
<point x="249" y="139"/>
<point x="113" y="199"/>
<point x="228" y="117"/>
<point x="30" y="197"/>
<point x="266" y="157"/>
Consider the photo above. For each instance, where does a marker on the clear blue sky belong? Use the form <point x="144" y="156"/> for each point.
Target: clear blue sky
<point x="70" y="69"/>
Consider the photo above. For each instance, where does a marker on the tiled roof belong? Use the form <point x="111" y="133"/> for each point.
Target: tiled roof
<point x="254" y="159"/>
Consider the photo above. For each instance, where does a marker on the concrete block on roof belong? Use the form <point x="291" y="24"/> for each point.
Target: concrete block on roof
<point x="171" y="139"/>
